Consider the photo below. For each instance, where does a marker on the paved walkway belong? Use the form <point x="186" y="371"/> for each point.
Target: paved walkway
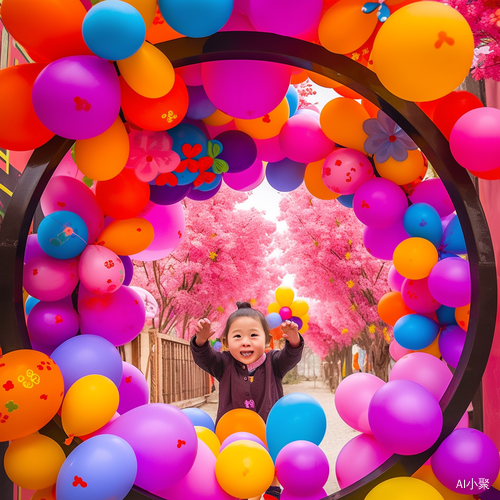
<point x="337" y="435"/>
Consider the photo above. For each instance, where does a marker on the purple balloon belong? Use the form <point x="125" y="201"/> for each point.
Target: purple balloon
<point x="405" y="417"/>
<point x="200" y="105"/>
<point x="381" y="242"/>
<point x="451" y="344"/>
<point x="466" y="454"/>
<point x="297" y="321"/>
<point x="239" y="150"/>
<point x="133" y="389"/>
<point x="490" y="494"/>
<point x="433" y="192"/>
<point x="88" y="355"/>
<point x="302" y="467"/>
<point x="77" y="97"/>
<point x="449" y="282"/>
<point x="168" y="195"/>
<point x="197" y="195"/>
<point x="33" y="249"/>
<point x="248" y="179"/>
<point x="118" y="317"/>
<point x="164" y="441"/>
<point x="285" y="175"/>
<point x="129" y="269"/>
<point x="240" y="436"/>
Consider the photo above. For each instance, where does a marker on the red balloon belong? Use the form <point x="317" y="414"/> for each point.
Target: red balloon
<point x="490" y="175"/>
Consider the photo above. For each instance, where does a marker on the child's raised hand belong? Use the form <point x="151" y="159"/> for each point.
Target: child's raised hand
<point x="291" y="332"/>
<point x="203" y="331"/>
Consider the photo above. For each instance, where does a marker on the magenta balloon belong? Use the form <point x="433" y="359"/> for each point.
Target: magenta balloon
<point x="53" y="323"/>
<point x="449" y="282"/>
<point x="133" y="389"/>
<point x="66" y="193"/>
<point x="302" y="140"/>
<point x="46" y="349"/>
<point x="215" y="130"/>
<point x="240" y="436"/>
<point x="352" y="399"/>
<point x="191" y="75"/>
<point x="379" y="203"/>
<point x="360" y="456"/>
<point x="405" y="417"/>
<point x="475" y="139"/>
<point x="164" y="441"/>
<point x="312" y="495"/>
<point x="395" y="279"/>
<point x="49" y="279"/>
<point x="446" y="220"/>
<point x="238" y="22"/>
<point x="451" y="344"/>
<point x="269" y="149"/>
<point x="246" y="89"/>
<point x="77" y="97"/>
<point x="381" y="242"/>
<point x="302" y="467"/>
<point x="466" y="454"/>
<point x="397" y="351"/>
<point x="417" y="297"/>
<point x="101" y="270"/>
<point x="169" y="225"/>
<point x="248" y="179"/>
<point x="33" y="249"/>
<point x="424" y="369"/>
<point x="433" y="192"/>
<point x="118" y="317"/>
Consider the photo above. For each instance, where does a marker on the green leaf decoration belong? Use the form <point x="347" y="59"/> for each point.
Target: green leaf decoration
<point x="88" y="182"/>
<point x="73" y="152"/>
<point x="220" y="166"/>
<point x="214" y="148"/>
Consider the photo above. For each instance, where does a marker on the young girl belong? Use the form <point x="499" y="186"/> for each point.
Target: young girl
<point x="249" y="377"/>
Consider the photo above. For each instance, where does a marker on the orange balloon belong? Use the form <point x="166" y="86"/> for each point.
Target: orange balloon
<point x="217" y="118"/>
<point x="323" y="81"/>
<point x="20" y="128"/>
<point x="147" y="9"/>
<point x="299" y="77"/>
<point x="127" y="237"/>
<point x="162" y="113"/>
<point x="276" y="333"/>
<point x="160" y="31"/>
<point x="371" y="109"/>
<point x="425" y="474"/>
<point x="402" y="172"/>
<point x="347" y="92"/>
<point x="51" y="29"/>
<point x="32" y="392"/>
<point x="433" y="348"/>
<point x="414" y="258"/>
<point x="45" y="494"/>
<point x="314" y="182"/>
<point x="391" y="307"/>
<point x="410" y="188"/>
<point x="105" y="156"/>
<point x="462" y="315"/>
<point x="342" y="121"/>
<point x="241" y="420"/>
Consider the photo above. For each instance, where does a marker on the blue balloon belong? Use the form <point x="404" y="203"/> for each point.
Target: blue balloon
<point x="346" y="200"/>
<point x="296" y="416"/>
<point x="415" y="331"/>
<point x="292" y="96"/>
<point x="285" y="175"/>
<point x="446" y="316"/>
<point x="29" y="304"/>
<point x="274" y="320"/>
<point x="197" y="195"/>
<point x="444" y="255"/>
<point x="211" y="185"/>
<point x="217" y="346"/>
<point x="113" y="30"/>
<point x="200" y="417"/>
<point x="422" y="220"/>
<point x="196" y="19"/>
<point x="63" y="235"/>
<point x="88" y="355"/>
<point x="100" y="468"/>
<point x="453" y="238"/>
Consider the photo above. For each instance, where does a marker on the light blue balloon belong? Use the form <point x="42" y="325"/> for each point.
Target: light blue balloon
<point x="113" y="30"/>
<point x="273" y="320"/>
<point x="422" y="220"/>
<point x="415" y="331"/>
<point x="100" y="468"/>
<point x="446" y="316"/>
<point x="296" y="416"/>
<point x="200" y="417"/>
<point x="453" y="238"/>
<point x="196" y="18"/>
<point x="292" y="96"/>
<point x="29" y="304"/>
<point x="63" y="235"/>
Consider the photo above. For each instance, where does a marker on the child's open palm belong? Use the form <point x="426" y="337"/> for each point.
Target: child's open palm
<point x="203" y="331"/>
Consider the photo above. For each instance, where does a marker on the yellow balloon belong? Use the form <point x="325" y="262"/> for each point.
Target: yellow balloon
<point x="128" y="236"/>
<point x="217" y="118"/>
<point x="425" y="474"/>
<point x="146" y="8"/>
<point x="402" y="172"/>
<point x="33" y="462"/>
<point x="345" y="27"/>
<point x="105" y="156"/>
<point x="314" y="182"/>
<point x="342" y="120"/>
<point x="299" y="308"/>
<point x="148" y="72"/>
<point x="404" y="488"/>
<point x="244" y="469"/>
<point x="305" y="318"/>
<point x="304" y="328"/>
<point x="273" y="307"/>
<point x="414" y="258"/>
<point x="241" y="420"/>
<point x="266" y="126"/>
<point x="88" y="405"/>
<point x="496" y="483"/>
<point x="423" y="51"/>
<point x="284" y="296"/>
<point x="209" y="438"/>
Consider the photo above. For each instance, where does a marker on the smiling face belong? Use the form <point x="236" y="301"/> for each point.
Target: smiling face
<point x="246" y="340"/>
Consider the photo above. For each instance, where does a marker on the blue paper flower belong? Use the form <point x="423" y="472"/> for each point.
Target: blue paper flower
<point x="383" y="12"/>
<point x="386" y="139"/>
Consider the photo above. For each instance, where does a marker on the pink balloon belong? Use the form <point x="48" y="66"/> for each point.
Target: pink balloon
<point x="360" y="456"/>
<point x="397" y="351"/>
<point x="133" y="389"/>
<point x="345" y="170"/>
<point x="303" y="141"/>
<point x="394" y="279"/>
<point x="49" y="279"/>
<point x="352" y="399"/>
<point x="246" y="89"/>
<point x="169" y="225"/>
<point x="475" y="139"/>
<point x="191" y="75"/>
<point x="238" y="22"/>
<point x="313" y="495"/>
<point x="464" y="422"/>
<point x="149" y="301"/>
<point x="424" y="369"/>
<point x="417" y="297"/>
<point x="433" y="192"/>
<point x="381" y="242"/>
<point x="68" y="167"/>
<point x="118" y="317"/>
<point x="247" y="180"/>
<point x="269" y="149"/>
<point x="101" y="270"/>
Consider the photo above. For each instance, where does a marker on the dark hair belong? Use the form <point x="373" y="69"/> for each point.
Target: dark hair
<point x="245" y="309"/>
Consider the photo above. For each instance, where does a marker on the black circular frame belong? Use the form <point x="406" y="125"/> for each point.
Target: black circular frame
<point x="275" y="48"/>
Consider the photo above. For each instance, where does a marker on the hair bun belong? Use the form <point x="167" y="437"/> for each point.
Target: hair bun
<point x="243" y="305"/>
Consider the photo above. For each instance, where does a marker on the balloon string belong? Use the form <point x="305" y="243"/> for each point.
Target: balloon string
<point x="66" y="227"/>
